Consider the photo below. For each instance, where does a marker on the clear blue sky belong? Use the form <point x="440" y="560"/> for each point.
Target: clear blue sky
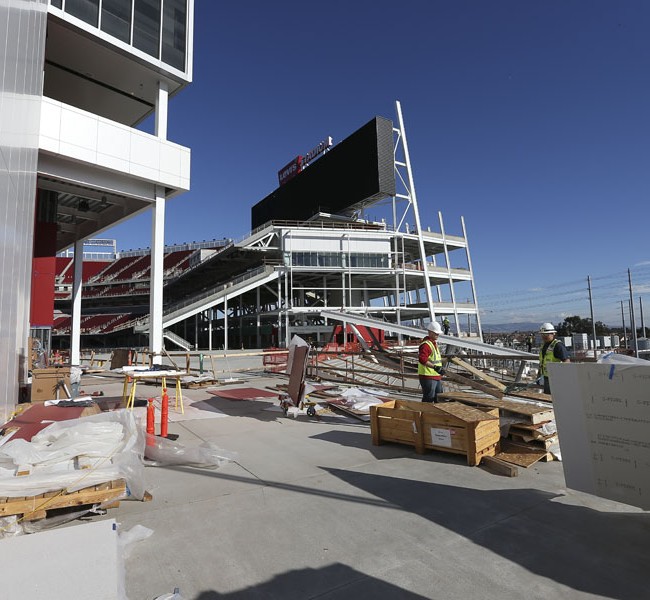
<point x="530" y="119"/>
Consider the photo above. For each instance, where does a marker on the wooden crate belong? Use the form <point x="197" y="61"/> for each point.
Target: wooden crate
<point x="448" y="427"/>
<point x="31" y="508"/>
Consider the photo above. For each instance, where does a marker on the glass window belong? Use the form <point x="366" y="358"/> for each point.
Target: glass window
<point x="57" y="3"/>
<point x="173" y="35"/>
<point x="86" y="10"/>
<point x="146" y="26"/>
<point x="116" y="19"/>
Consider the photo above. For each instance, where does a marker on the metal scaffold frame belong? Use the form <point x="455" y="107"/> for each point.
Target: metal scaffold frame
<point x="295" y="271"/>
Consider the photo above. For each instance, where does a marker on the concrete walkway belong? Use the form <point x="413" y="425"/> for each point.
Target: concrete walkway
<point x="311" y="509"/>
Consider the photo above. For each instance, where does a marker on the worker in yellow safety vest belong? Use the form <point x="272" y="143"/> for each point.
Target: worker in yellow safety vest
<point x="430" y="369"/>
<point x="552" y="350"/>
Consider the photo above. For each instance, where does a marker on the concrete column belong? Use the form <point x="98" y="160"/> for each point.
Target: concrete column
<point x="258" y="309"/>
<point x="156" y="287"/>
<point x="75" y="333"/>
<point x="210" y="315"/>
<point x="162" y="101"/>
<point x="225" y="323"/>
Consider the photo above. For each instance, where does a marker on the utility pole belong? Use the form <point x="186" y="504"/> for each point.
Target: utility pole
<point x="632" y="322"/>
<point x="642" y="320"/>
<point x="593" y="323"/>
<point x="624" y="330"/>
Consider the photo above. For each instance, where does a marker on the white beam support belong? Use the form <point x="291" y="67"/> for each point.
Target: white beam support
<point x="416" y="212"/>
<point x="162" y="106"/>
<point x="75" y="332"/>
<point x="471" y="272"/>
<point x="156" y="287"/>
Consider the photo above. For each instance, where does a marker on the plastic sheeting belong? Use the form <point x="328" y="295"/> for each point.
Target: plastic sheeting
<point x="108" y="445"/>
<point x="162" y="452"/>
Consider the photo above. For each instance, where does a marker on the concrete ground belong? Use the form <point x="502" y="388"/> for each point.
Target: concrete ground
<point x="311" y="509"/>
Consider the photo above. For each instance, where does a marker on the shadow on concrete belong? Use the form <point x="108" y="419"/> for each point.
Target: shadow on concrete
<point x="259" y="409"/>
<point x="605" y="554"/>
<point x="594" y="552"/>
<point x="255" y="409"/>
<point x="332" y="582"/>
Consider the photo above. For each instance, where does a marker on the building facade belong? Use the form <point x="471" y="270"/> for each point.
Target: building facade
<point x="89" y="72"/>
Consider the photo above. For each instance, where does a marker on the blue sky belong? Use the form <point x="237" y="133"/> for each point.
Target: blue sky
<point x="529" y="119"/>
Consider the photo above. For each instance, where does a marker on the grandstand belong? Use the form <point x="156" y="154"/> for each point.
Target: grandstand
<point x="312" y="249"/>
<point x="115" y="292"/>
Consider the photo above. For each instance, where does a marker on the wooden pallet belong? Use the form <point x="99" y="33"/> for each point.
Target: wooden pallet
<point x="522" y="454"/>
<point x="32" y="508"/>
<point x="193" y="385"/>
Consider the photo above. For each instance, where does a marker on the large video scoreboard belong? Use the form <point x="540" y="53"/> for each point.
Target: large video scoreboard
<point x="354" y="173"/>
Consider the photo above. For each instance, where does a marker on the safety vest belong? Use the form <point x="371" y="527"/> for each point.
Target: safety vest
<point x="434" y="357"/>
<point x="547" y="357"/>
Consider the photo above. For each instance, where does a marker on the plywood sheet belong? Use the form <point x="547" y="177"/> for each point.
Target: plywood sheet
<point x="519" y="455"/>
<point x="247" y="393"/>
<point x="38" y="417"/>
<point x="531" y="412"/>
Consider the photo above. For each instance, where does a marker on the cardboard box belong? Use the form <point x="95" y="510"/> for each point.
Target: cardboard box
<point x="46" y="381"/>
<point x="447" y="426"/>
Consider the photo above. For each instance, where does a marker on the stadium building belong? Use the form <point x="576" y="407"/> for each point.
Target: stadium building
<point x="78" y="77"/>
<point x="313" y="249"/>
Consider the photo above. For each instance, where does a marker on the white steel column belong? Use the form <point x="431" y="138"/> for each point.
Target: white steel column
<point x="451" y="281"/>
<point x="75" y="332"/>
<point x="416" y="211"/>
<point x="286" y="309"/>
<point x="162" y="101"/>
<point x="258" y="320"/>
<point x="471" y="273"/>
<point x="156" y="286"/>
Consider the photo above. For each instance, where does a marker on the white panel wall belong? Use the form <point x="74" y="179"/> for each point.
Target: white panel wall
<point x="76" y="134"/>
<point x="22" y="31"/>
<point x="317" y="240"/>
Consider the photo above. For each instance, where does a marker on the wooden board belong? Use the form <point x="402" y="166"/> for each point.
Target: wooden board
<point x="530" y="395"/>
<point x="539" y="443"/>
<point x="499" y="466"/>
<point x="480" y="374"/>
<point x="461" y="379"/>
<point x="529" y="412"/>
<point x="36" y="507"/>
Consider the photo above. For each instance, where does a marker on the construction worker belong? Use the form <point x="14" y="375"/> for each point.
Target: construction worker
<point x="552" y="350"/>
<point x="430" y="369"/>
<point x="445" y="325"/>
<point x="529" y="342"/>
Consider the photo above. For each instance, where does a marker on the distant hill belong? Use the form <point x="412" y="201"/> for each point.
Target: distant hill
<point x="509" y="327"/>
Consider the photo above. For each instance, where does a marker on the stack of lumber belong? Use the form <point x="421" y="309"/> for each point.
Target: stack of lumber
<point x="527" y="428"/>
<point x="33" y="508"/>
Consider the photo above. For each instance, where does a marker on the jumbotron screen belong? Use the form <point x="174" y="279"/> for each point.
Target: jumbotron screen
<point x="356" y="172"/>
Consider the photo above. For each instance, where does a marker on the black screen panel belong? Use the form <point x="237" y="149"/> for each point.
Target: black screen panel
<point x="356" y="172"/>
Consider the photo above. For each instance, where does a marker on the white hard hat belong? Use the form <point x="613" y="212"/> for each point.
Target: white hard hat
<point x="547" y="328"/>
<point x="434" y="327"/>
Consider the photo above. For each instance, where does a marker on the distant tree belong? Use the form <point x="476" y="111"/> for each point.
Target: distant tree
<point x="577" y="324"/>
<point x="601" y="328"/>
